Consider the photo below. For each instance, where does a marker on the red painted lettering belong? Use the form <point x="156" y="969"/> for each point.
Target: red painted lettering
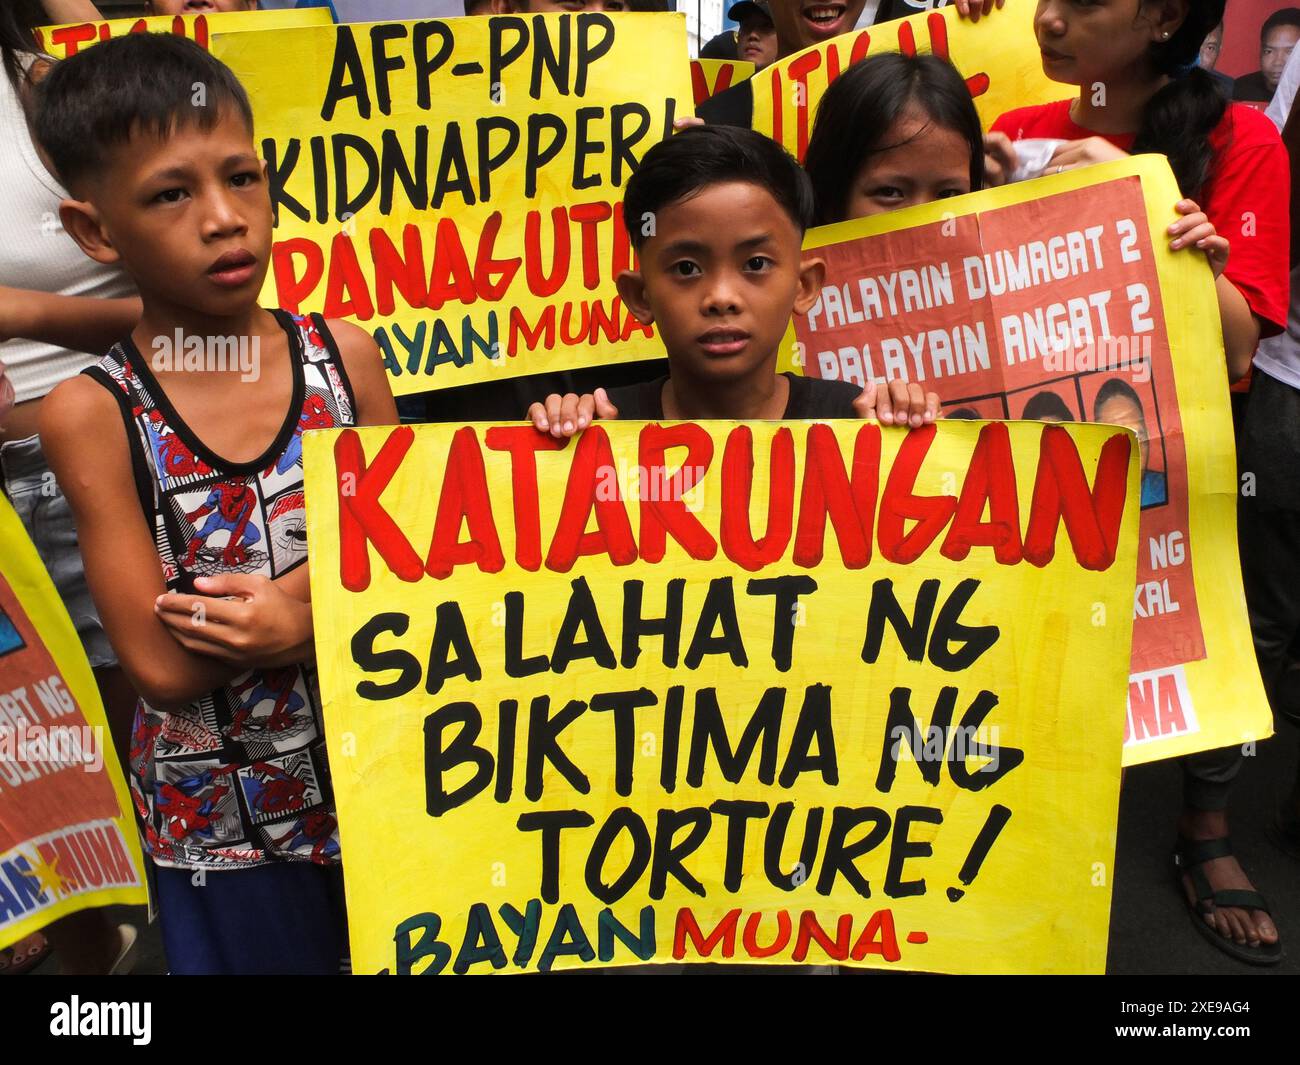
<point x="522" y="442"/>
<point x="1092" y="517"/>
<point x="724" y="934"/>
<point x="362" y="520"/>
<point x="661" y="517"/>
<point x="827" y="491"/>
<point x="738" y="485"/>
<point x="290" y="289"/>
<point x="593" y="463"/>
<point x="899" y="505"/>
<point x="990" y="481"/>
<point x="464" y="500"/>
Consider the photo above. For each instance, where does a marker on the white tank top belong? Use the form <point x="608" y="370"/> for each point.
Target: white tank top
<point x="35" y="252"/>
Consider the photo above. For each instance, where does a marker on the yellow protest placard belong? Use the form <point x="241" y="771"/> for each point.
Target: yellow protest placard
<point x="998" y="56"/>
<point x="759" y="691"/>
<point x="712" y="76"/>
<point x="69" y="38"/>
<point x="455" y="186"/>
<point x="68" y="838"/>
<point x="1059" y="299"/>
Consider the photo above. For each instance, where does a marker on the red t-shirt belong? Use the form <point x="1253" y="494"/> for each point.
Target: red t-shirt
<point x="1247" y="195"/>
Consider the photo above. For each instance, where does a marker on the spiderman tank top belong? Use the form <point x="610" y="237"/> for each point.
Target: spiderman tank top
<point x="237" y="778"/>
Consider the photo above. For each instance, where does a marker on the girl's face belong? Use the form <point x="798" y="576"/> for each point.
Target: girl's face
<point x="1092" y="42"/>
<point x="927" y="163"/>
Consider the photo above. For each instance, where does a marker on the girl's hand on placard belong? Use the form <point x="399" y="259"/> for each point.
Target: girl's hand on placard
<point x="1000" y="159"/>
<point x="1194" y="229"/>
<point x="1084" y="152"/>
<point x="973" y="9"/>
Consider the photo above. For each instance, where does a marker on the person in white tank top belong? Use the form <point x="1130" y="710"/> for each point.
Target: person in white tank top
<point x="69" y="310"/>
<point x="36" y="256"/>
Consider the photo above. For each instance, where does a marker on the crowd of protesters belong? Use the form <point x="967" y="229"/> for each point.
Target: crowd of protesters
<point x="162" y="222"/>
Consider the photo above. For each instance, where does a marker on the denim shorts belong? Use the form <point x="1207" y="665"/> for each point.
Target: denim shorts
<point x="44" y="512"/>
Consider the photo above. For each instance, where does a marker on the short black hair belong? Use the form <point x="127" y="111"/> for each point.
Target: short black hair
<point x="1287" y="16"/>
<point x="690" y="161"/>
<point x="1047" y="405"/>
<point x="723" y="46"/>
<point x="862" y="105"/>
<point x="145" y="83"/>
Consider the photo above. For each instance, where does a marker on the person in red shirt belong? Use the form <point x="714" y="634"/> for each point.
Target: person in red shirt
<point x="1140" y="90"/>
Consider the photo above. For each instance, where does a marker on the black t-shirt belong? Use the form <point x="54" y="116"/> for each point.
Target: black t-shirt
<point x="731" y="107"/>
<point x="1251" y="89"/>
<point x="810" y="397"/>
<point x="1223" y="83"/>
<point x="509" y="400"/>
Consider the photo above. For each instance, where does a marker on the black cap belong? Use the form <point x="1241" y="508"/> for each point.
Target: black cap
<point x="741" y="11"/>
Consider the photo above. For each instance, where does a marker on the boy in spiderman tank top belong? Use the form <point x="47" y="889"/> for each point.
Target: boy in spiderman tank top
<point x="181" y="454"/>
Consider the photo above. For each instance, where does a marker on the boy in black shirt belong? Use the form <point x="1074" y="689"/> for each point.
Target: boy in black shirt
<point x="717" y="215"/>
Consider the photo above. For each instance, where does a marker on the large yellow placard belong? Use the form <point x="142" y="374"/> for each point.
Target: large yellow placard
<point x="68" y="838"/>
<point x="765" y="692"/>
<point x="455" y="186"/>
<point x="1059" y="299"/>
<point x="998" y="56"/>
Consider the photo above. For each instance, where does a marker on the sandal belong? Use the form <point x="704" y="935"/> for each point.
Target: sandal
<point x="1189" y="856"/>
<point x="24" y="955"/>
<point x="127" y="936"/>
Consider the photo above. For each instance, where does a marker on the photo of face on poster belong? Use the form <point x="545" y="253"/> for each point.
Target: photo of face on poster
<point x="1129" y="400"/>
<point x="977" y="409"/>
<point x="1046" y="403"/>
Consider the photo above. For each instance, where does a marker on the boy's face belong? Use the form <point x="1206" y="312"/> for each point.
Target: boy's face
<point x="719" y="278"/>
<point x="756" y="40"/>
<point x="188" y="215"/>
<point x="1211" y="46"/>
<point x="802" y="23"/>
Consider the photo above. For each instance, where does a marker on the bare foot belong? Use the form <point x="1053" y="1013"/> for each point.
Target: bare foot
<point x="1246" y="927"/>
